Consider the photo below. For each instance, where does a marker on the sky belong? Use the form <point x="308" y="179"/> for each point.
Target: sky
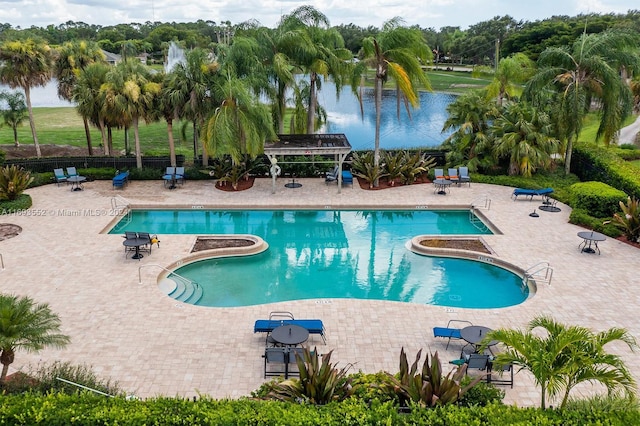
<point x="425" y="13"/>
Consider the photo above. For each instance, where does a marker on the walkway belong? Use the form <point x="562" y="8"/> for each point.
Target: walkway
<point x="629" y="133"/>
<point x="153" y="345"/>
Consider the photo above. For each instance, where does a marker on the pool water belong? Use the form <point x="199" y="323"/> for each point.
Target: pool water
<point x="335" y="254"/>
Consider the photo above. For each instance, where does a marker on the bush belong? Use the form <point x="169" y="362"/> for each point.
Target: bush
<point x="23" y="202"/>
<point x="603" y="225"/>
<point x="480" y="395"/>
<point x="13" y="181"/>
<point x="599" y="199"/>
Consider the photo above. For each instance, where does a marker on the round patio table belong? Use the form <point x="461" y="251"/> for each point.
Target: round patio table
<point x="590" y="238"/>
<point x="474" y="334"/>
<point x="290" y="335"/>
<point x="441" y="186"/>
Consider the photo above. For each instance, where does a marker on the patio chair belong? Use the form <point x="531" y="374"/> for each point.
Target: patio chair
<point x="169" y="176"/>
<point x="60" y="176"/>
<point x="71" y="172"/>
<point x="464" y="175"/>
<point x="449" y="332"/>
<point x="479" y="362"/>
<point x="453" y="176"/>
<point x="332" y="176"/>
<point x="438" y="174"/>
<point x="276" y="362"/>
<point x="146" y="236"/>
<point x="180" y="176"/>
<point x="504" y="370"/>
<point x="129" y="236"/>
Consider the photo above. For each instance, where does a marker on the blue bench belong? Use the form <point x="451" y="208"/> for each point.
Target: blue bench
<point x="314" y="326"/>
<point x="121" y="179"/>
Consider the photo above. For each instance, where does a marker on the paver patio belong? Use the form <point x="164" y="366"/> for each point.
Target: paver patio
<point x="153" y="345"/>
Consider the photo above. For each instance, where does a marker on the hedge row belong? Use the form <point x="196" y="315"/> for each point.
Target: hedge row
<point x="90" y="409"/>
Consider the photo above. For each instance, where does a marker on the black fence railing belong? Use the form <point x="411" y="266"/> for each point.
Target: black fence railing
<point x="41" y="165"/>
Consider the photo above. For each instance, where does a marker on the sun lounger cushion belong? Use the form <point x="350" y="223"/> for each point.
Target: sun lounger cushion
<point x="121" y="179"/>
<point x="531" y="192"/>
<point x="453" y="333"/>
<point x="314" y="326"/>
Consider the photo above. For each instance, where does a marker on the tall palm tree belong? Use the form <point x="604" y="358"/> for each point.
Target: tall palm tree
<point x="318" y="49"/>
<point x="73" y="57"/>
<point x="26" y="64"/>
<point x="240" y="125"/>
<point x="471" y="143"/>
<point x="564" y="356"/>
<point x="90" y="100"/>
<point x="587" y="74"/>
<point x="25" y="325"/>
<point x="129" y="93"/>
<point x="509" y="77"/>
<point x="524" y="134"/>
<point x="189" y="84"/>
<point x="397" y="53"/>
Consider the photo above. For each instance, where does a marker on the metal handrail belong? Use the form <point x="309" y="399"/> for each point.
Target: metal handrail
<point x="84" y="387"/>
<point x="193" y="283"/>
<point x="485" y="200"/>
<point x="540" y="266"/>
<point x="119" y="201"/>
<point x="1" y="262"/>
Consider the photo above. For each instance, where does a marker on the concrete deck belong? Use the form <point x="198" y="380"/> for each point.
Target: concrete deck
<point x="153" y="345"/>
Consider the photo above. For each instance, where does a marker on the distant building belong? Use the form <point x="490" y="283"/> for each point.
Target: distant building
<point x="112" y="58"/>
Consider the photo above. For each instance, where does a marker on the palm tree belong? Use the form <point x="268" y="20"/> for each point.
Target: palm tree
<point x="318" y="49"/>
<point x="587" y="74"/>
<point x="129" y="93"/>
<point x="397" y="52"/>
<point x="240" y="125"/>
<point x="74" y="57"/>
<point x="565" y="356"/>
<point x="90" y="100"/>
<point x="26" y="64"/>
<point x="15" y="113"/>
<point x="524" y="134"/>
<point x="508" y="78"/>
<point x="26" y="325"/>
<point x="471" y="143"/>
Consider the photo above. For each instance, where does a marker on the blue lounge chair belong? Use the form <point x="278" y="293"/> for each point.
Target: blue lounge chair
<point x="347" y="178"/>
<point x="464" y="175"/>
<point x="121" y="179"/>
<point x="449" y="332"/>
<point x="544" y="193"/>
<point x="71" y="171"/>
<point x="180" y="175"/>
<point x="277" y="319"/>
<point x="60" y="176"/>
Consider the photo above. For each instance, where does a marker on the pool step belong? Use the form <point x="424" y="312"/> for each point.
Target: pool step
<point x="181" y="290"/>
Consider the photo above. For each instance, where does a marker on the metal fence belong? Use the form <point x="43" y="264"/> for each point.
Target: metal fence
<point x="41" y="165"/>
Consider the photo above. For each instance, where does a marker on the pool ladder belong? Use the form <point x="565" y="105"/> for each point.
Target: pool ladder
<point x="186" y="290"/>
<point x="120" y="203"/>
<point x="1" y="263"/>
<point x="541" y="272"/>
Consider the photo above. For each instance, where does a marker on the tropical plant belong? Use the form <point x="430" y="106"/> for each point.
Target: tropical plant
<point x="471" y="143"/>
<point x="587" y="74"/>
<point x="370" y="173"/>
<point x="565" y="356"/>
<point x="524" y="135"/>
<point x="393" y="165"/>
<point x="90" y="100"/>
<point x="25" y="325"/>
<point x="508" y="77"/>
<point x="397" y="53"/>
<point x="428" y="387"/>
<point x="15" y="113"/>
<point x="13" y="181"/>
<point x="629" y="221"/>
<point x="416" y="165"/>
<point x="319" y="383"/>
<point x="72" y="58"/>
<point x="26" y="64"/>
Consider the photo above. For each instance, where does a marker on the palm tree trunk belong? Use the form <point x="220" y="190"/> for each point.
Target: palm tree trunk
<point x="311" y="114"/>
<point x="282" y="107"/>
<point x="15" y="136"/>
<point x="136" y="136"/>
<point x="376" y="152"/>
<point x="103" y="135"/>
<point x="172" y="145"/>
<point x="87" y="133"/>
<point x="110" y="139"/>
<point x="567" y="156"/>
<point x="27" y="96"/>
<point x="5" y="370"/>
<point x="195" y="142"/>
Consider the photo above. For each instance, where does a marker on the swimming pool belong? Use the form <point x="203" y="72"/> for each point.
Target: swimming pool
<point x="322" y="254"/>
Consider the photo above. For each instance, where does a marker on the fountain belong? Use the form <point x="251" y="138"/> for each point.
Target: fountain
<point x="175" y="56"/>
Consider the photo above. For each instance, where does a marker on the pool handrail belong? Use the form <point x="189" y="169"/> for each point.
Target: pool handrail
<point x="1" y="263"/>
<point x="195" y="284"/>
<point x="533" y="271"/>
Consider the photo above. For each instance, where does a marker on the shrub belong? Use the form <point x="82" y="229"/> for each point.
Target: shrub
<point x="13" y="181"/>
<point x="480" y="395"/>
<point x="23" y="202"/>
<point x="597" y="198"/>
<point x="629" y="220"/>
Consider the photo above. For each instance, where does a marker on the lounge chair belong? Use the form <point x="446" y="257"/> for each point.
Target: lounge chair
<point x="120" y="180"/>
<point x="453" y="176"/>
<point x="544" y="193"/>
<point x="60" y="176"/>
<point x="347" y="178"/>
<point x="314" y="326"/>
<point x="438" y="174"/>
<point x="71" y="172"/>
<point x="464" y="175"/>
<point x="332" y="176"/>
<point x="449" y="332"/>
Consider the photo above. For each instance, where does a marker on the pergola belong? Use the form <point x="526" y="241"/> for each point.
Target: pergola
<point x="335" y="144"/>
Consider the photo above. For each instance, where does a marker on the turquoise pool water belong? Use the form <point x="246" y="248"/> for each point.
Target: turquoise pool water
<point x="335" y="254"/>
